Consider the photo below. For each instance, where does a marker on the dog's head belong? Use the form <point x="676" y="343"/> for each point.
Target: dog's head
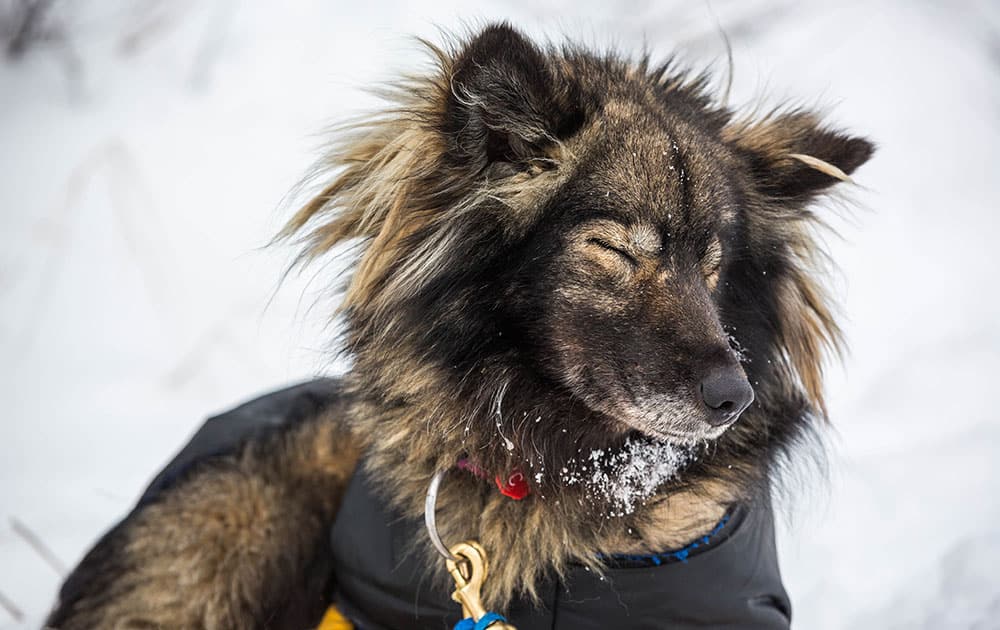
<point x="594" y="230"/>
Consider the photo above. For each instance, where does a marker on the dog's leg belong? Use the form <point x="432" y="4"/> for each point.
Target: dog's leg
<point x="239" y="542"/>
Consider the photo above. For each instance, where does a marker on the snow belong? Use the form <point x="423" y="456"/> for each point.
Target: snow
<point x="621" y="479"/>
<point x="144" y="168"/>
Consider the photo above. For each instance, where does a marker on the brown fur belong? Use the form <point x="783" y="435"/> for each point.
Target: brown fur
<point x="204" y="554"/>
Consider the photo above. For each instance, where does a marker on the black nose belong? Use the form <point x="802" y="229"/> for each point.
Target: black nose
<point x="727" y="393"/>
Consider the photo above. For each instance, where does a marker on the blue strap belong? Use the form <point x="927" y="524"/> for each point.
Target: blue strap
<point x="681" y="554"/>
<point x="469" y="624"/>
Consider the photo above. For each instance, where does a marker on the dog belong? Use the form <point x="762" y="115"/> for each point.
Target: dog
<point x="585" y="293"/>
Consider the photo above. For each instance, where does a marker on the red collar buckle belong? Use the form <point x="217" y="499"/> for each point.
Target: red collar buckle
<point x="515" y="486"/>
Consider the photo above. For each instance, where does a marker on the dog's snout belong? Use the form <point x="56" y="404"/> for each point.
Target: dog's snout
<point x="727" y="393"/>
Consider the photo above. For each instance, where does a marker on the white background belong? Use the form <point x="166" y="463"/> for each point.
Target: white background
<point x="143" y="162"/>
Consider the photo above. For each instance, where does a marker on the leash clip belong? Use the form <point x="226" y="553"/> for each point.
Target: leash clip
<point x="468" y="567"/>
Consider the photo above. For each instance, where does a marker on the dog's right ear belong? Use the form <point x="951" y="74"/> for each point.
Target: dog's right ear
<point x="507" y="104"/>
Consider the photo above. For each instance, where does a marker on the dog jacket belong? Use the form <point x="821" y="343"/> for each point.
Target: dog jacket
<point x="730" y="579"/>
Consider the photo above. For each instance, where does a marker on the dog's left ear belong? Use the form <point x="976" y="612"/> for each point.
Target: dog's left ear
<point x="507" y="103"/>
<point x="793" y="157"/>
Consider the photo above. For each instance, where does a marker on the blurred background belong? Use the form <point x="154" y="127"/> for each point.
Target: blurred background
<point x="146" y="148"/>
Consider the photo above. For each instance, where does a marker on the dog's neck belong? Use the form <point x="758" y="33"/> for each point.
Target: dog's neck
<point x="555" y="525"/>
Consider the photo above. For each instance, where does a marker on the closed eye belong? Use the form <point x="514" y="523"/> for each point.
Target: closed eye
<point x="611" y="248"/>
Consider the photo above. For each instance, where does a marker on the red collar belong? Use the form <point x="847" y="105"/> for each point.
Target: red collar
<point x="515" y="485"/>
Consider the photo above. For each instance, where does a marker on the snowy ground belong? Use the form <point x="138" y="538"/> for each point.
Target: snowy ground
<point x="143" y="165"/>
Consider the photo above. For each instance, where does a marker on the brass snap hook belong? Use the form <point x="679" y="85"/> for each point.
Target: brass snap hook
<point x="469" y="570"/>
<point x="469" y="577"/>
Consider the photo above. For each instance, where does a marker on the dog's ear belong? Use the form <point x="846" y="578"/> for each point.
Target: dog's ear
<point x="793" y="157"/>
<point x="507" y="104"/>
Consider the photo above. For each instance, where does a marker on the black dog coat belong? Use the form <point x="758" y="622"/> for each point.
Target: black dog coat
<point x="730" y="581"/>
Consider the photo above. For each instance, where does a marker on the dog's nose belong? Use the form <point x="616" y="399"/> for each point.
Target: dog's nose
<point x="727" y="393"/>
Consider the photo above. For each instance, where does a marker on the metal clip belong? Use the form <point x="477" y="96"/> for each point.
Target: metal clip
<point x="468" y="569"/>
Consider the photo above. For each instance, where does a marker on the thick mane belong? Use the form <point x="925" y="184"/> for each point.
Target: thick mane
<point x="382" y="166"/>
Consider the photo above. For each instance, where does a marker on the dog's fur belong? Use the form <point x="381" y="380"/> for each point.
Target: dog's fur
<point x="555" y="246"/>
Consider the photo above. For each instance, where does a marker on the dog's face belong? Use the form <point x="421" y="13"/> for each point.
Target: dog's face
<point x="630" y="262"/>
<point x="595" y="231"/>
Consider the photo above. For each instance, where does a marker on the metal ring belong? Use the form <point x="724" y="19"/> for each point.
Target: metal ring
<point x="429" y="519"/>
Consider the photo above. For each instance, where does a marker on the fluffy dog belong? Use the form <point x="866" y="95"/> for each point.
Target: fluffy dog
<point x="575" y="269"/>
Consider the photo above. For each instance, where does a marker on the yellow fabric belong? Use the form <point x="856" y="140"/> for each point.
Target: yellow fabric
<point x="333" y="620"/>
